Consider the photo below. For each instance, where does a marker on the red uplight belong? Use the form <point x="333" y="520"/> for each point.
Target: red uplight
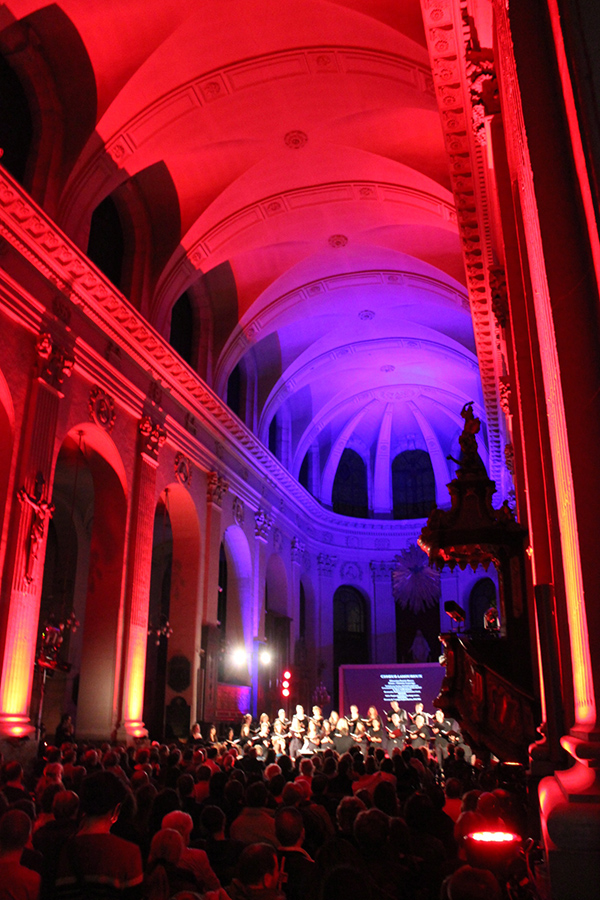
<point x="285" y="692"/>
<point x="285" y="684"/>
<point x="287" y="674"/>
<point x="494" y="837"/>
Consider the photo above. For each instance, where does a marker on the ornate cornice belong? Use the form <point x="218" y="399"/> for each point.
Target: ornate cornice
<point x="195" y="405"/>
<point x="465" y="87"/>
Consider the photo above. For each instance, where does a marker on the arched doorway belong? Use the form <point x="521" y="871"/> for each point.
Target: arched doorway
<point x="350" y="630"/>
<point x="277" y="634"/>
<point x="83" y="575"/>
<point x="483" y="595"/>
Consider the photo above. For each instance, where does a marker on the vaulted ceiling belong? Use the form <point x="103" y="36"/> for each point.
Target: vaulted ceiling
<point x="284" y="164"/>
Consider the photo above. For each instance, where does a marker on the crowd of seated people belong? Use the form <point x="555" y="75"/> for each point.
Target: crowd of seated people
<point x="223" y="821"/>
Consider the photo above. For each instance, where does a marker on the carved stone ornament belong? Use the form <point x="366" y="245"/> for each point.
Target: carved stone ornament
<point x="102" y="409"/>
<point x="42" y="512"/>
<point x="504" y="389"/>
<point x="183" y="469"/>
<point x="350" y="571"/>
<point x="216" y="487"/>
<point x="152" y="436"/>
<point x="262" y="524"/>
<point x="277" y="540"/>
<point x="55" y="364"/>
<point x="239" y="511"/>
<point x="483" y="87"/>
<point x="381" y="570"/>
<point x="326" y="564"/>
<point x="499" y="294"/>
<point x="298" y="549"/>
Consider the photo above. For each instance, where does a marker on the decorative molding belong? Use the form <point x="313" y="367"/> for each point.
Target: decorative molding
<point x="27" y="228"/>
<point x="239" y="511"/>
<point x="263" y="523"/>
<point x="190" y="424"/>
<point x="277" y="540"/>
<point x="295" y="140"/>
<point x="183" y="468"/>
<point x="464" y="78"/>
<point x="55" y="363"/>
<point x="326" y="564"/>
<point x="337" y="240"/>
<point x="152" y="437"/>
<point x="351" y="571"/>
<point x="210" y="87"/>
<point x="499" y="293"/>
<point x="42" y="511"/>
<point x="102" y="409"/>
<point x="217" y="486"/>
<point x="381" y="570"/>
<point x="298" y="549"/>
<point x="509" y="456"/>
<point x="61" y="309"/>
<point x="504" y="388"/>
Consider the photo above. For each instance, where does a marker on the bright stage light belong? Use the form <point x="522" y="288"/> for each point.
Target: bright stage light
<point x="239" y="656"/>
<point x="265" y="657"/>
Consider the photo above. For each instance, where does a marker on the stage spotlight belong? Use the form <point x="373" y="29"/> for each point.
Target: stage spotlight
<point x="456" y="612"/>
<point x="239" y="656"/>
<point x="265" y="657"/>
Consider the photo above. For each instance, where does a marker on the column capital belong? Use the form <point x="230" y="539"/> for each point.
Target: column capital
<point x="217" y="486"/>
<point x="54" y="362"/>
<point x="298" y="550"/>
<point x="326" y="564"/>
<point x="263" y="522"/>
<point x="152" y="438"/>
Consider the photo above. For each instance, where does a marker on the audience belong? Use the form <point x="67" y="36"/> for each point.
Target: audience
<point x="148" y="824"/>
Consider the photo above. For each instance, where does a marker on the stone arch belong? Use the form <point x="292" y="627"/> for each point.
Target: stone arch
<point x="172" y="664"/>
<point x="83" y="573"/>
<point x="7" y="428"/>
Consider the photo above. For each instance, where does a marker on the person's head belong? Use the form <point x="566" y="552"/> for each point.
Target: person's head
<point x="299" y="711"/>
<point x="395" y="706"/>
<point x="101" y="794"/>
<point x="48" y="796"/>
<point x="181" y="822"/>
<point x="258" y="866"/>
<point x="419" y="720"/>
<point x="15" y="828"/>
<point x="65" y="806"/>
<point x="213" y="820"/>
<point x="166" y="847"/>
<point x="418" y="707"/>
<point x="53" y="772"/>
<point x="396" y="719"/>
<point x="13" y="771"/>
<point x="439" y="715"/>
<point x="292" y="795"/>
<point x="342" y="726"/>
<point x="371" y="828"/>
<point x="312" y="729"/>
<point x="326" y="726"/>
<point x="281" y="715"/>
<point x="289" y="826"/>
<point x="334" y="717"/>
<point x="306" y="767"/>
<point x="453" y="788"/>
<point x="354" y="711"/>
<point x="346" y="813"/>
<point x="256" y="795"/>
<point x="468" y="883"/>
<point x="376" y="725"/>
<point x="317" y="712"/>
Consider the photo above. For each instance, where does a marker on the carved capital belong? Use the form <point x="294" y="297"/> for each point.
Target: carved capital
<point x="381" y="570"/>
<point x="263" y="523"/>
<point x="483" y="86"/>
<point x="216" y="487"/>
<point x="152" y="437"/>
<point x="55" y="364"/>
<point x="505" y="390"/>
<point x="326" y="564"/>
<point x="509" y="457"/>
<point x="183" y="469"/>
<point x="102" y="409"/>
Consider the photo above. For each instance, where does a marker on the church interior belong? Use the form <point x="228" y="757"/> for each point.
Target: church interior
<point x="300" y="368"/>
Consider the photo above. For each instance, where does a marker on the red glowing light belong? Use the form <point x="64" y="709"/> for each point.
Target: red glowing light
<point x="494" y="837"/>
<point x="285" y="692"/>
<point x="287" y="674"/>
<point x="285" y="684"/>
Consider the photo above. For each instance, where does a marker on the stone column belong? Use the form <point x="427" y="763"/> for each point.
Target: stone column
<point x="151" y="438"/>
<point x="215" y="489"/>
<point x="263" y="522"/>
<point x="29" y="529"/>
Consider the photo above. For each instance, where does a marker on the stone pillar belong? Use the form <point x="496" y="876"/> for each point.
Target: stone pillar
<point x="29" y="529"/>
<point x="263" y="522"/>
<point x="151" y="438"/>
<point x="324" y="625"/>
<point x="215" y="489"/>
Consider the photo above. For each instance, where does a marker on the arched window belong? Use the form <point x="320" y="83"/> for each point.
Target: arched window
<point x="106" y="245"/>
<point x="303" y="473"/>
<point x="482" y="596"/>
<point x="16" y="128"/>
<point x="350" y="631"/>
<point x="234" y="391"/>
<point x="349" y="496"/>
<point x="182" y="334"/>
<point x="413" y="484"/>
